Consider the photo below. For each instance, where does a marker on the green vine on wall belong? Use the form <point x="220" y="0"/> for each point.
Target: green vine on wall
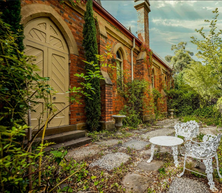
<point x="149" y="57"/>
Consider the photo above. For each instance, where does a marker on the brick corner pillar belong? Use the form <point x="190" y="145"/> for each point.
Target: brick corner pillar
<point x="141" y="73"/>
<point x="107" y="122"/>
<point x="143" y="9"/>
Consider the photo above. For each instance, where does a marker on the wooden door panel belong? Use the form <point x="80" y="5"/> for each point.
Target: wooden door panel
<point x="60" y="82"/>
<point x="44" y="41"/>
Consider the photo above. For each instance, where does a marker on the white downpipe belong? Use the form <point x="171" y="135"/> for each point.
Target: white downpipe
<point x="132" y="58"/>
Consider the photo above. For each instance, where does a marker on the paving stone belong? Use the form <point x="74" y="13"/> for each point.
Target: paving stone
<point x="148" y="152"/>
<point x="110" y="142"/>
<point x="135" y="144"/>
<point x="158" y="132"/>
<point x="136" y="131"/>
<point x="167" y="123"/>
<point x="211" y="130"/>
<point x="185" y="185"/>
<point x="152" y="166"/>
<point x="161" y="150"/>
<point x="83" y="152"/>
<point x="135" y="183"/>
<point x="111" y="161"/>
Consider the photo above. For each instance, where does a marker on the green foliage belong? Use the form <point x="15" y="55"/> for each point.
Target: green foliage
<point x="184" y="101"/>
<point x="199" y="78"/>
<point x="87" y="86"/>
<point x="200" y="137"/>
<point x="93" y="106"/>
<point x="20" y="84"/>
<point x="190" y="118"/>
<point x="161" y="170"/>
<point x="133" y="92"/>
<point x="219" y="105"/>
<point x="13" y="160"/>
<point x="11" y="14"/>
<point x="14" y="165"/>
<point x="209" y="115"/>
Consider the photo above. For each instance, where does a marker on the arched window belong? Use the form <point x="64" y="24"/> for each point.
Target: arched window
<point x="119" y="67"/>
<point x="153" y="79"/>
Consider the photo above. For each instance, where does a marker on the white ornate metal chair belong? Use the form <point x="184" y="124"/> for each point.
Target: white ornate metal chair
<point x="205" y="151"/>
<point x="187" y="130"/>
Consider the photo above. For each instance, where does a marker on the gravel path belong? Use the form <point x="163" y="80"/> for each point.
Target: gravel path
<point x="186" y="185"/>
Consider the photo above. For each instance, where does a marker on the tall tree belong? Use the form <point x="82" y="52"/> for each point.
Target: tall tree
<point x="206" y="77"/>
<point x="210" y="48"/>
<point x="93" y="105"/>
<point x="181" y="59"/>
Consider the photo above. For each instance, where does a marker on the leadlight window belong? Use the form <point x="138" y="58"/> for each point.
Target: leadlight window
<point x="119" y="68"/>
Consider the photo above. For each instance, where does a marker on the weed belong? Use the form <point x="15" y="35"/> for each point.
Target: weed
<point x="129" y="150"/>
<point x="148" y="146"/>
<point x="161" y="170"/>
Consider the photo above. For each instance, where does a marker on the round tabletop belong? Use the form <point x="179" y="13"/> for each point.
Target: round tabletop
<point x="166" y="141"/>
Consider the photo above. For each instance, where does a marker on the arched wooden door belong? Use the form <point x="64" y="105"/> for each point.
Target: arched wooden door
<point x="44" y="41"/>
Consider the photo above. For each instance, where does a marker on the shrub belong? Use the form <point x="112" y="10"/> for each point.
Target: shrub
<point x="184" y="101"/>
<point x="133" y="92"/>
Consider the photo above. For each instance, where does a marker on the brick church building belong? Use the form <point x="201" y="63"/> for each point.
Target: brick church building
<point x="53" y="33"/>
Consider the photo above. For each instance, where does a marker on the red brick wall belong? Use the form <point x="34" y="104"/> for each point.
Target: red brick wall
<point x="111" y="101"/>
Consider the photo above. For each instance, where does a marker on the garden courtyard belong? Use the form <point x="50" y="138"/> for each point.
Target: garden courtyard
<point x="117" y="162"/>
<point x="66" y="73"/>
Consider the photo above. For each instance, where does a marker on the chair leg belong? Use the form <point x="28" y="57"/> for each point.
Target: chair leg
<point x="184" y="166"/>
<point x="218" y="171"/>
<point x="209" y="172"/>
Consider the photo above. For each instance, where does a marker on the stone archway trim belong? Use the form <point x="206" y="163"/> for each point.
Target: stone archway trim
<point x="121" y="47"/>
<point x="33" y="11"/>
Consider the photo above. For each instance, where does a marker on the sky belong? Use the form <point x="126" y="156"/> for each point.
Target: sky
<point x="170" y="22"/>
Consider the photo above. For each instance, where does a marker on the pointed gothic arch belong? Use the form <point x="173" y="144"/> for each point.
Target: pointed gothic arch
<point x="30" y="12"/>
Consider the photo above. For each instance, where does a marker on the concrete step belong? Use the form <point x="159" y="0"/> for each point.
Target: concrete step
<point x="63" y="137"/>
<point x="70" y="144"/>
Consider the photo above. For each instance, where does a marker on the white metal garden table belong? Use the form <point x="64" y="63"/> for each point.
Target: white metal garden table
<point x="168" y="141"/>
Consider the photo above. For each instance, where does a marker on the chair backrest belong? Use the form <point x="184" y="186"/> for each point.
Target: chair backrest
<point x="208" y="148"/>
<point x="188" y="130"/>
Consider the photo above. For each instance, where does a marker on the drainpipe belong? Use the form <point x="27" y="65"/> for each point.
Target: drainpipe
<point x="132" y="58"/>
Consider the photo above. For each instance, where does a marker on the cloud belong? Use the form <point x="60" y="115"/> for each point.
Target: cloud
<point x="170" y="22"/>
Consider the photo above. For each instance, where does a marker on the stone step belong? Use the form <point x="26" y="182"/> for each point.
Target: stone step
<point x="57" y="130"/>
<point x="63" y="137"/>
<point x="70" y="144"/>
